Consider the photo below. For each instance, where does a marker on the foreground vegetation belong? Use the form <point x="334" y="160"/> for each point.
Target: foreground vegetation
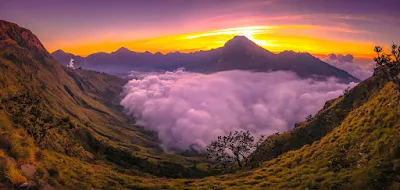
<point x="50" y="113"/>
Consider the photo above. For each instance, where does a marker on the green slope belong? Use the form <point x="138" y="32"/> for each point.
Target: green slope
<point x="363" y="152"/>
<point x="329" y="117"/>
<point x="50" y="110"/>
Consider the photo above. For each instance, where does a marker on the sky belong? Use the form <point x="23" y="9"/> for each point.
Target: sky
<point x="315" y="26"/>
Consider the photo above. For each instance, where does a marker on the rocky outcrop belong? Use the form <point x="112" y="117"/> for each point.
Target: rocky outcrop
<point x="12" y="33"/>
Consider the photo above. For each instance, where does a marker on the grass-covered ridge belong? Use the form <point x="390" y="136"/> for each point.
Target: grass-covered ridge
<point x="329" y="117"/>
<point x="48" y="110"/>
<point x="363" y="152"/>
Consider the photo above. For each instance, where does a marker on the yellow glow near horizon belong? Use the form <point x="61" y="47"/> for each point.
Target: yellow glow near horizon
<point x="249" y="32"/>
<point x="274" y="38"/>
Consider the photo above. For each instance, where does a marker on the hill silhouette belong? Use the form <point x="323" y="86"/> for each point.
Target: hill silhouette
<point x="237" y="53"/>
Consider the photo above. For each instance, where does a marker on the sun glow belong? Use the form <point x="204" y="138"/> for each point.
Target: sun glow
<point x="244" y="31"/>
<point x="248" y="31"/>
<point x="302" y="38"/>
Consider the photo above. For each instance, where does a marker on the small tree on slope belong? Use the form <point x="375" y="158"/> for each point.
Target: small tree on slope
<point x="389" y="64"/>
<point x="233" y="148"/>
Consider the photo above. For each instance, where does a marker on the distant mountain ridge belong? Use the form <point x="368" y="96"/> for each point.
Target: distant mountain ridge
<point x="239" y="53"/>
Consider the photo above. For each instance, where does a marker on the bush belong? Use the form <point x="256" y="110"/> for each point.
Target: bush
<point x="38" y="155"/>
<point x="53" y="173"/>
<point x="5" y="140"/>
<point x="21" y="150"/>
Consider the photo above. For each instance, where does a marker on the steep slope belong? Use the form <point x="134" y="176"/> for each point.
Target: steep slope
<point x="328" y="118"/>
<point x="53" y="110"/>
<point x="238" y="53"/>
<point x="304" y="64"/>
<point x="363" y="152"/>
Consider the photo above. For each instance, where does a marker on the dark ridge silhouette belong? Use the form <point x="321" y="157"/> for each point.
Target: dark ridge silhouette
<point x="237" y="53"/>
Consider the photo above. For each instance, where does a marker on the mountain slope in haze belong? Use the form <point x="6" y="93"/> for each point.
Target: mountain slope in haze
<point x="238" y="53"/>
<point x="64" y="57"/>
<point x="48" y="111"/>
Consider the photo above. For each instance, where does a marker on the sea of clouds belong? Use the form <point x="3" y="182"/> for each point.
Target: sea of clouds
<point x="191" y="109"/>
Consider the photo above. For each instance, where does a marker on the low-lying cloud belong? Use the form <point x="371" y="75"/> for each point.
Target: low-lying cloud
<point x="191" y="109"/>
<point x="71" y="64"/>
<point x="361" y="69"/>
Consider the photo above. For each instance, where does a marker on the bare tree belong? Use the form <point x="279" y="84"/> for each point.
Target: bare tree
<point x="389" y="63"/>
<point x="233" y="148"/>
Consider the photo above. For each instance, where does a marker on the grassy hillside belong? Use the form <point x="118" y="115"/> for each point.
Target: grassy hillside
<point x="329" y="117"/>
<point x="363" y="152"/>
<point x="47" y="111"/>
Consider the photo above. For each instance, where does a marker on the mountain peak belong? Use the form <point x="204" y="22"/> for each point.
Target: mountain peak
<point x="240" y="40"/>
<point x="10" y="32"/>
<point x="123" y="50"/>
<point x="243" y="45"/>
<point x="59" y="51"/>
<point x="240" y="37"/>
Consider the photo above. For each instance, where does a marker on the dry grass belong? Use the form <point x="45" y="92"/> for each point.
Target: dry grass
<point x="20" y="147"/>
<point x="22" y="150"/>
<point x="6" y="163"/>
<point x="9" y="171"/>
<point x="15" y="176"/>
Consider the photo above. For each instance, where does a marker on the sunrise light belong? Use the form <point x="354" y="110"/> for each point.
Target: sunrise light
<point x="275" y="38"/>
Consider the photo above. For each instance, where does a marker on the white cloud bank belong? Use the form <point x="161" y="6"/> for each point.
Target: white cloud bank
<point x="71" y="64"/>
<point x="187" y="109"/>
<point x="362" y="69"/>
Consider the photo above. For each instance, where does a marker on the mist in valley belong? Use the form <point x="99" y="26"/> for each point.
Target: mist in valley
<point x="188" y="110"/>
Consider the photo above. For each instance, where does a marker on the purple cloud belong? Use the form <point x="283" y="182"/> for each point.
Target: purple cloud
<point x="359" y="68"/>
<point x="187" y="109"/>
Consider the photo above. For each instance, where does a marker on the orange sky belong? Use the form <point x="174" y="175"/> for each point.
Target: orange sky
<point x="315" y="26"/>
<point x="301" y="38"/>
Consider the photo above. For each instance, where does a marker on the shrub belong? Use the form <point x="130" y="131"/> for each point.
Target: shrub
<point x="53" y="173"/>
<point x="5" y="140"/>
<point x="21" y="151"/>
<point x="38" y="155"/>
